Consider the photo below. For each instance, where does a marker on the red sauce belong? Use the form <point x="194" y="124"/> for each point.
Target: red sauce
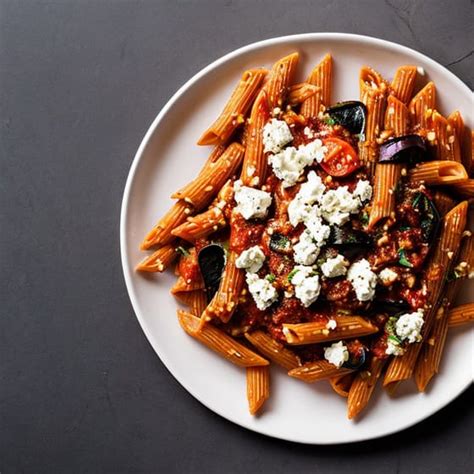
<point x="244" y="234"/>
<point x="188" y="266"/>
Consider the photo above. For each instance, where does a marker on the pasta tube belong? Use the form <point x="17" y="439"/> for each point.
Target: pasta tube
<point x="258" y="387"/>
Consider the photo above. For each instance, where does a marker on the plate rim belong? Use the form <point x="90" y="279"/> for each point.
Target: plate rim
<point x="309" y="37"/>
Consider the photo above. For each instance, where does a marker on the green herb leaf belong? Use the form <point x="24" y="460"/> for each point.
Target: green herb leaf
<point x="292" y="274"/>
<point x="364" y="218"/>
<point x="271" y="277"/>
<point x="182" y="251"/>
<point x="394" y="339"/>
<point x="402" y="259"/>
<point x="329" y="121"/>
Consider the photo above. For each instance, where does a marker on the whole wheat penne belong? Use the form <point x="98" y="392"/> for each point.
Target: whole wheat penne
<point x="258" y="387"/>
<point x="159" y="260"/>
<point x="441" y="137"/>
<point x="224" y="302"/>
<point x="342" y="384"/>
<point x="460" y="315"/>
<point x="273" y="350"/>
<point x="443" y="202"/>
<point x="435" y="173"/>
<point x="319" y="370"/>
<point x="403" y="83"/>
<point x="456" y="128"/>
<point x="421" y="103"/>
<point x="236" y="108"/>
<point x="219" y="341"/>
<point x="320" y="76"/>
<point x="363" y="386"/>
<point x="309" y="333"/>
<point x="191" y="298"/>
<point x="396" y="116"/>
<point x="300" y="92"/>
<point x="161" y="232"/>
<point x="280" y="79"/>
<point x="183" y="286"/>
<point x="373" y="90"/>
<point x="212" y="158"/>
<point x="200" y="192"/>
<point x="429" y="359"/>
<point x="465" y="189"/>
<point x="401" y="367"/>
<point x="201" y="225"/>
<point x="198" y="302"/>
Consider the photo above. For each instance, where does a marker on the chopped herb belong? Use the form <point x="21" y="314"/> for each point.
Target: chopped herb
<point x="364" y="218"/>
<point x="182" y="251"/>
<point x="403" y="260"/>
<point x="292" y="274"/>
<point x="279" y="243"/>
<point x="271" y="277"/>
<point x="417" y="199"/>
<point x="329" y="121"/>
<point x="395" y="339"/>
<point x="405" y="227"/>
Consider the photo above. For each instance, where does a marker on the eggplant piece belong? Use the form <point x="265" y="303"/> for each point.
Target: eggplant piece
<point x="392" y="307"/>
<point x="355" y="362"/>
<point x="350" y="114"/>
<point x="405" y="149"/>
<point x="349" y="242"/>
<point x="211" y="260"/>
<point x="429" y="215"/>
<point x="280" y="243"/>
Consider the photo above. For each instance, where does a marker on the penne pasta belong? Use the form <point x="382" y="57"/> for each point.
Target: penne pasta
<point x="273" y="350"/>
<point x="236" y="108"/>
<point x="321" y="77"/>
<point x="403" y="83"/>
<point x="200" y="192"/>
<point x="421" y="103"/>
<point x="396" y="116"/>
<point x="161" y="232"/>
<point x="461" y="315"/>
<point x="224" y="302"/>
<point x="313" y="332"/>
<point x="219" y="341"/>
<point x="318" y="370"/>
<point x="159" y="260"/>
<point x="201" y="225"/>
<point x="342" y="384"/>
<point x="429" y="359"/>
<point x="183" y="286"/>
<point x="441" y="137"/>
<point x="465" y="189"/>
<point x="363" y="386"/>
<point x="435" y="173"/>
<point x="456" y="128"/>
<point x="401" y="367"/>
<point x="258" y="387"/>
<point x="372" y="93"/>
<point x="198" y="302"/>
<point x="298" y="93"/>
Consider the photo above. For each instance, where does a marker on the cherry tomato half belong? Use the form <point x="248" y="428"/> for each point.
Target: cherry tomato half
<point x="341" y="159"/>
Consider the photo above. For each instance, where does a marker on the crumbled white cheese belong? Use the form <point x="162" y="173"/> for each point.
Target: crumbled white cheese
<point x="308" y="132"/>
<point x="306" y="251"/>
<point x="306" y="284"/>
<point x="408" y="326"/>
<point x="387" y="276"/>
<point x="363" y="280"/>
<point x="336" y="354"/>
<point x="262" y="291"/>
<point x="393" y="348"/>
<point x="251" y="259"/>
<point x="337" y="205"/>
<point x="310" y="192"/>
<point x="251" y="203"/>
<point x="363" y="190"/>
<point x="276" y="134"/>
<point x="334" y="267"/>
<point x="331" y="324"/>
<point x="288" y="164"/>
<point x="420" y="71"/>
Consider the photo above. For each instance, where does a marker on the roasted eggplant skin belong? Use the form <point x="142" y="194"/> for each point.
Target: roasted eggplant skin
<point x="405" y="149"/>
<point x="351" y="115"/>
<point x="211" y="260"/>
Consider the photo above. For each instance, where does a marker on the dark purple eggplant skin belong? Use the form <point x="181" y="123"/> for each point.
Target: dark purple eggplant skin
<point x="351" y="115"/>
<point x="408" y="148"/>
<point x="211" y="260"/>
<point x="356" y="363"/>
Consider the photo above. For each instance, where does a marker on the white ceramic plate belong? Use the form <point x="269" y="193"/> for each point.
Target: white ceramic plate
<point x="168" y="158"/>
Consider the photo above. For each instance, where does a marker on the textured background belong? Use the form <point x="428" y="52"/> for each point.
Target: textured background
<point x="80" y="388"/>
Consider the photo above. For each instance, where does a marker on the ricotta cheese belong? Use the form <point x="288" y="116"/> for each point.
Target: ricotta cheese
<point x="363" y="190"/>
<point x="276" y="134"/>
<point x="336" y="354"/>
<point x="363" y="280"/>
<point x="306" y="284"/>
<point x="408" y="326"/>
<point x="334" y="267"/>
<point x="394" y="349"/>
<point x="251" y="203"/>
<point x="263" y="292"/>
<point x="251" y="259"/>
<point x="338" y="204"/>
<point x="388" y="277"/>
<point x="306" y="251"/>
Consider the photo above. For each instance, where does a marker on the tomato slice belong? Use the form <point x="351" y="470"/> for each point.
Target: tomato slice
<point x="341" y="159"/>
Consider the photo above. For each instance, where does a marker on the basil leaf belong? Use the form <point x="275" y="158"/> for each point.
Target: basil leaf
<point x="403" y="260"/>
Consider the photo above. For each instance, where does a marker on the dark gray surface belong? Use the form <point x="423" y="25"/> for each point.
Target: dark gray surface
<point x="80" y="388"/>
